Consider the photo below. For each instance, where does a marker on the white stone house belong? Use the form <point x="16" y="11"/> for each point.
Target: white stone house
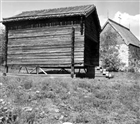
<point x="128" y="46"/>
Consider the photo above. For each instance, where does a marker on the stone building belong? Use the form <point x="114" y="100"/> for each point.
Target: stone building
<point x="121" y="40"/>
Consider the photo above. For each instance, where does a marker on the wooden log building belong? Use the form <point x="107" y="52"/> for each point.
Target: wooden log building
<point x="53" y="38"/>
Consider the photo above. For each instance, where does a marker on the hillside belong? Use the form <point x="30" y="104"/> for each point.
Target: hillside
<point x="36" y="100"/>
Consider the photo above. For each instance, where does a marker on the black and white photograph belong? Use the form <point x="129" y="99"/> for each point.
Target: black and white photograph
<point x="69" y="61"/>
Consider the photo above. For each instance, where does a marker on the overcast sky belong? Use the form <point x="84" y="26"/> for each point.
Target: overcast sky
<point x="128" y="10"/>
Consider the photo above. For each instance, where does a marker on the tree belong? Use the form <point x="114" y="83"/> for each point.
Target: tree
<point x="109" y="53"/>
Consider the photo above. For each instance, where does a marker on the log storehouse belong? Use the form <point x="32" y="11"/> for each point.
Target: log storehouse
<point x="53" y="38"/>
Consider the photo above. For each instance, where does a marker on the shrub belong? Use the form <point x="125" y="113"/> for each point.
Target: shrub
<point x="112" y="63"/>
<point x="131" y="69"/>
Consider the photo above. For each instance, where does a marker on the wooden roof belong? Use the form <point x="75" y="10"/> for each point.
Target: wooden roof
<point x="84" y="10"/>
<point x="124" y="32"/>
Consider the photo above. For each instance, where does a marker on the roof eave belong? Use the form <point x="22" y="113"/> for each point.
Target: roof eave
<point x="6" y="20"/>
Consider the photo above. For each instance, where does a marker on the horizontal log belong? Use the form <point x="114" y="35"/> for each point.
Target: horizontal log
<point x="56" y="28"/>
<point x="44" y="57"/>
<point x="40" y="33"/>
<point x="45" y="40"/>
<point x="47" y="56"/>
<point x="43" y="62"/>
<point x="37" y="35"/>
<point x="40" y="49"/>
<point x="36" y="53"/>
<point x="48" y="65"/>
<point x="43" y="52"/>
<point x="34" y="46"/>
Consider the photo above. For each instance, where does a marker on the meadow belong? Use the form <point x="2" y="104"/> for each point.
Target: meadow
<point x="40" y="100"/>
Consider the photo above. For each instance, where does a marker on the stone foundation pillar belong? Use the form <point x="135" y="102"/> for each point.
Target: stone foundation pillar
<point x="90" y="72"/>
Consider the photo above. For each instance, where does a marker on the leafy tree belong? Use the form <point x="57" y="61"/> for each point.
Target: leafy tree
<point x="109" y="53"/>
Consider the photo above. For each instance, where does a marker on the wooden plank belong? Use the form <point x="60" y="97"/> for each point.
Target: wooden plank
<point x="47" y="38"/>
<point x="42" y="57"/>
<point x="41" y="63"/>
<point x="44" y="50"/>
<point x="43" y="60"/>
<point x="67" y="50"/>
<point x="81" y="50"/>
<point x="72" y="52"/>
<point x="41" y="32"/>
<point x="48" y="65"/>
<point x="5" y="52"/>
<point x="56" y="28"/>
<point x="43" y="54"/>
<point x="45" y="43"/>
<point x="42" y="46"/>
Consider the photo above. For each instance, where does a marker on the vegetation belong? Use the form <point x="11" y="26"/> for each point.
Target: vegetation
<point x="36" y="100"/>
<point x="1" y="44"/>
<point x="109" y="51"/>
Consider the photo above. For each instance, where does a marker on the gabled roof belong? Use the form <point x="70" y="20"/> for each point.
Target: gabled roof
<point x="124" y="32"/>
<point x="84" y="10"/>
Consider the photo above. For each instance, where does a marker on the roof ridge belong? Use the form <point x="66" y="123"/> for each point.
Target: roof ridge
<point x="59" y="8"/>
<point x="118" y="24"/>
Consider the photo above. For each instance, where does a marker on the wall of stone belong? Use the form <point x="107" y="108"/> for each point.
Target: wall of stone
<point x="111" y="42"/>
<point x="124" y="54"/>
<point x="134" y="56"/>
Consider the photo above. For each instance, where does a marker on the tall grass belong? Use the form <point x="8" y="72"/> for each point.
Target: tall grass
<point x="82" y="101"/>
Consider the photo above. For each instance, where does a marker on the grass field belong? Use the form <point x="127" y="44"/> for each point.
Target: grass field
<point x="36" y="100"/>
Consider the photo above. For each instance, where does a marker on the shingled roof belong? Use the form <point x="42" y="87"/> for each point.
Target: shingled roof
<point x="125" y="33"/>
<point x="84" y="10"/>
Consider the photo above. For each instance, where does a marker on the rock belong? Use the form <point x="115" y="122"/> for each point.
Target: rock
<point x="104" y="72"/>
<point x="107" y="73"/>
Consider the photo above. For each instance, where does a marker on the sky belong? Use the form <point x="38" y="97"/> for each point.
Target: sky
<point x="125" y="12"/>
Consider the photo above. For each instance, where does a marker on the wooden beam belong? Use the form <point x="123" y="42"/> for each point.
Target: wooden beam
<point x="27" y="70"/>
<point x="81" y="26"/>
<point x="5" y="50"/>
<point x="43" y="71"/>
<point x="72" y="52"/>
<point x="37" y="70"/>
<point x="20" y="69"/>
<point x="32" y="70"/>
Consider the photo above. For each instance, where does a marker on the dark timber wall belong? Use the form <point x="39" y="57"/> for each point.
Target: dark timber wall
<point x="91" y="55"/>
<point x="45" y="44"/>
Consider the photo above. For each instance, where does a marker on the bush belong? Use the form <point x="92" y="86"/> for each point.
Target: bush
<point x="131" y="69"/>
<point x="112" y="63"/>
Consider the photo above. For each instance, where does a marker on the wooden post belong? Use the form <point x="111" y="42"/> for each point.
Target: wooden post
<point x="5" y="50"/>
<point x="37" y="69"/>
<point x="72" y="51"/>
<point x="81" y="24"/>
<point x="90" y="72"/>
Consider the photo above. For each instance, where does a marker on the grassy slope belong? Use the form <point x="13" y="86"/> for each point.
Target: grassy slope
<point x="53" y="101"/>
